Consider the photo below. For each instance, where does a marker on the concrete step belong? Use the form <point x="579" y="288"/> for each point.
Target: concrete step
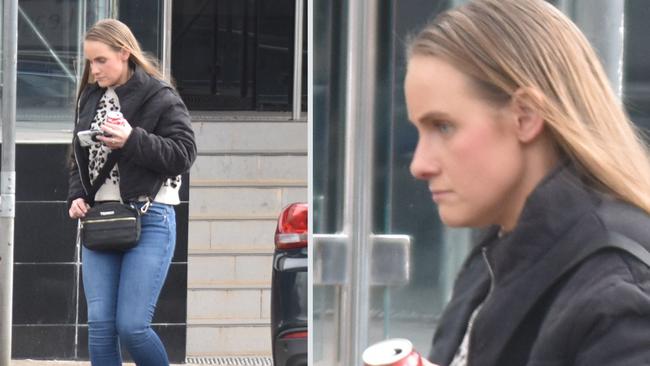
<point x="228" y="234"/>
<point x="243" y="201"/>
<point x="229" y="268"/>
<point x="246" y="138"/>
<point x="227" y="323"/>
<point x="234" y="338"/>
<point x="215" y="305"/>
<point x="229" y="167"/>
<point x="228" y="251"/>
<point x="231" y="217"/>
<point x="250" y="166"/>
<point x="257" y="183"/>
<point x="229" y="285"/>
<point x="242" y="116"/>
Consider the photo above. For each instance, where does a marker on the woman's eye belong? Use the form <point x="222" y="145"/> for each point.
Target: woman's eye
<point x="444" y="127"/>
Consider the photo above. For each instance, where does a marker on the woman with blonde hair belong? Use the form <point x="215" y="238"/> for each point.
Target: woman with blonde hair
<point x="136" y="160"/>
<point x="520" y="133"/>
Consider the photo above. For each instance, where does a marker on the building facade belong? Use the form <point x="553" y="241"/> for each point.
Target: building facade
<point x="383" y="262"/>
<point x="232" y="61"/>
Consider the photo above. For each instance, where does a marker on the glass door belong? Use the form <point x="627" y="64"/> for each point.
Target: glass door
<point x="383" y="263"/>
<point x="50" y="58"/>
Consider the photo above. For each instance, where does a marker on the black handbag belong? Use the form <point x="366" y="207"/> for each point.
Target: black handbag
<point x="110" y="225"/>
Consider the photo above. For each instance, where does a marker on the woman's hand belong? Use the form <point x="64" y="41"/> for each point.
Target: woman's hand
<point x="116" y="134"/>
<point x="78" y="208"/>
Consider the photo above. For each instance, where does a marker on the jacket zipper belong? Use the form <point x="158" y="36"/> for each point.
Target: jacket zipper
<point x="473" y="318"/>
<point x="490" y="271"/>
<point x="108" y="220"/>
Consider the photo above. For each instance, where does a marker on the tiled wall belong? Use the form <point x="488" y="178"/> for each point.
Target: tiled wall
<point x="49" y="308"/>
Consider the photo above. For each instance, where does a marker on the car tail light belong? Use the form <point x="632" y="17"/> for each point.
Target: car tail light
<point x="291" y="232"/>
<point x="295" y="335"/>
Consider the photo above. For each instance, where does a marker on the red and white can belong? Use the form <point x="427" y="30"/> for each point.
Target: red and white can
<point x="115" y="117"/>
<point x="392" y="352"/>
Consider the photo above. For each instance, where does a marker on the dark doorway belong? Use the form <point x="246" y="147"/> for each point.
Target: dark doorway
<point x="234" y="54"/>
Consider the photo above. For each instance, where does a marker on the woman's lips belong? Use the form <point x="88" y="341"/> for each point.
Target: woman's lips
<point x="440" y="195"/>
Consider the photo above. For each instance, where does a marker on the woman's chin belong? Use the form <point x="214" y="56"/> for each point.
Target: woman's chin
<point x="456" y="220"/>
<point x="103" y="83"/>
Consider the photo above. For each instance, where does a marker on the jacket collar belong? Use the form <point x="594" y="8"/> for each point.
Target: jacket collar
<point x="554" y="207"/>
<point x="132" y="95"/>
<point x="135" y="92"/>
<point x="557" y="230"/>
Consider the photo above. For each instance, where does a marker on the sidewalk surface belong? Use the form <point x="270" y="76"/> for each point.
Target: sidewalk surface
<point x="54" y="363"/>
<point x="232" y="360"/>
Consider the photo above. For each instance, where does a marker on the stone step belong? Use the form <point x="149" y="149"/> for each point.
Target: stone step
<point x="227" y="323"/>
<point x="231" y="236"/>
<point x="243" y="116"/>
<point x="228" y="217"/>
<point x="229" y="285"/>
<point x="228" y="338"/>
<point x="244" y="201"/>
<point x="263" y="137"/>
<point x="229" y="268"/>
<point x="230" y="251"/>
<point x="249" y="168"/>
<point x="263" y="183"/>
<point x="218" y="304"/>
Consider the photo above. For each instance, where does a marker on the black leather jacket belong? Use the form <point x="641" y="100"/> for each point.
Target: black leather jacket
<point x="161" y="144"/>
<point x="554" y="293"/>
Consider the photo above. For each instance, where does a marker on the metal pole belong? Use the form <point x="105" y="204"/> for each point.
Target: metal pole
<point x="359" y="137"/>
<point x="166" y="58"/>
<point x="8" y="175"/>
<point x="297" y="61"/>
<point x="81" y="30"/>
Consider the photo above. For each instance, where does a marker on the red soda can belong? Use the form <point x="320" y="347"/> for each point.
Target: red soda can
<point x="392" y="352"/>
<point x="115" y="117"/>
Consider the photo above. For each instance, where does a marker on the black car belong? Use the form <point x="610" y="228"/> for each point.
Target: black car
<point x="289" y="288"/>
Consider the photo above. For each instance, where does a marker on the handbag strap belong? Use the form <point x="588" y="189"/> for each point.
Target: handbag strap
<point x="629" y="245"/>
<point x="112" y="159"/>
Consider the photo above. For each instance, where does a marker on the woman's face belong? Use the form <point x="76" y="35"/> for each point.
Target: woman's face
<point x="107" y="66"/>
<point x="467" y="150"/>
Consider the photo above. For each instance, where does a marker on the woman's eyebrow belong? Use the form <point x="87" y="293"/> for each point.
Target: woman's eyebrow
<point x="433" y="115"/>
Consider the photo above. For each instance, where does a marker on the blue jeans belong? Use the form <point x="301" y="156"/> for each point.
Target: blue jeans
<point x="122" y="289"/>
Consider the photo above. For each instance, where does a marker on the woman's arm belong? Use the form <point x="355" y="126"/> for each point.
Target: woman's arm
<point x="75" y="187"/>
<point x="620" y="332"/>
<point x="171" y="149"/>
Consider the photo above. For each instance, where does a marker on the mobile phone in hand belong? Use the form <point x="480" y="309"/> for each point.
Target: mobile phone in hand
<point x="89" y="137"/>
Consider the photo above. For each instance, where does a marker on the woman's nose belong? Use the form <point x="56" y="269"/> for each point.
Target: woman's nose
<point x="424" y="165"/>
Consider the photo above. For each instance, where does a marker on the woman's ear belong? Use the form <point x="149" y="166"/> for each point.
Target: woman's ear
<point x="124" y="54"/>
<point x="526" y="106"/>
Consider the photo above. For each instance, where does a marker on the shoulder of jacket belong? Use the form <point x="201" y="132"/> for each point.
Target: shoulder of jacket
<point x="621" y="217"/>
<point x="88" y="91"/>
<point x="161" y="89"/>
<point x="610" y="284"/>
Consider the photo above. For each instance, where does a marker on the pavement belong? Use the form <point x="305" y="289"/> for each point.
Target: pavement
<point x="55" y="363"/>
<point x="228" y="360"/>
